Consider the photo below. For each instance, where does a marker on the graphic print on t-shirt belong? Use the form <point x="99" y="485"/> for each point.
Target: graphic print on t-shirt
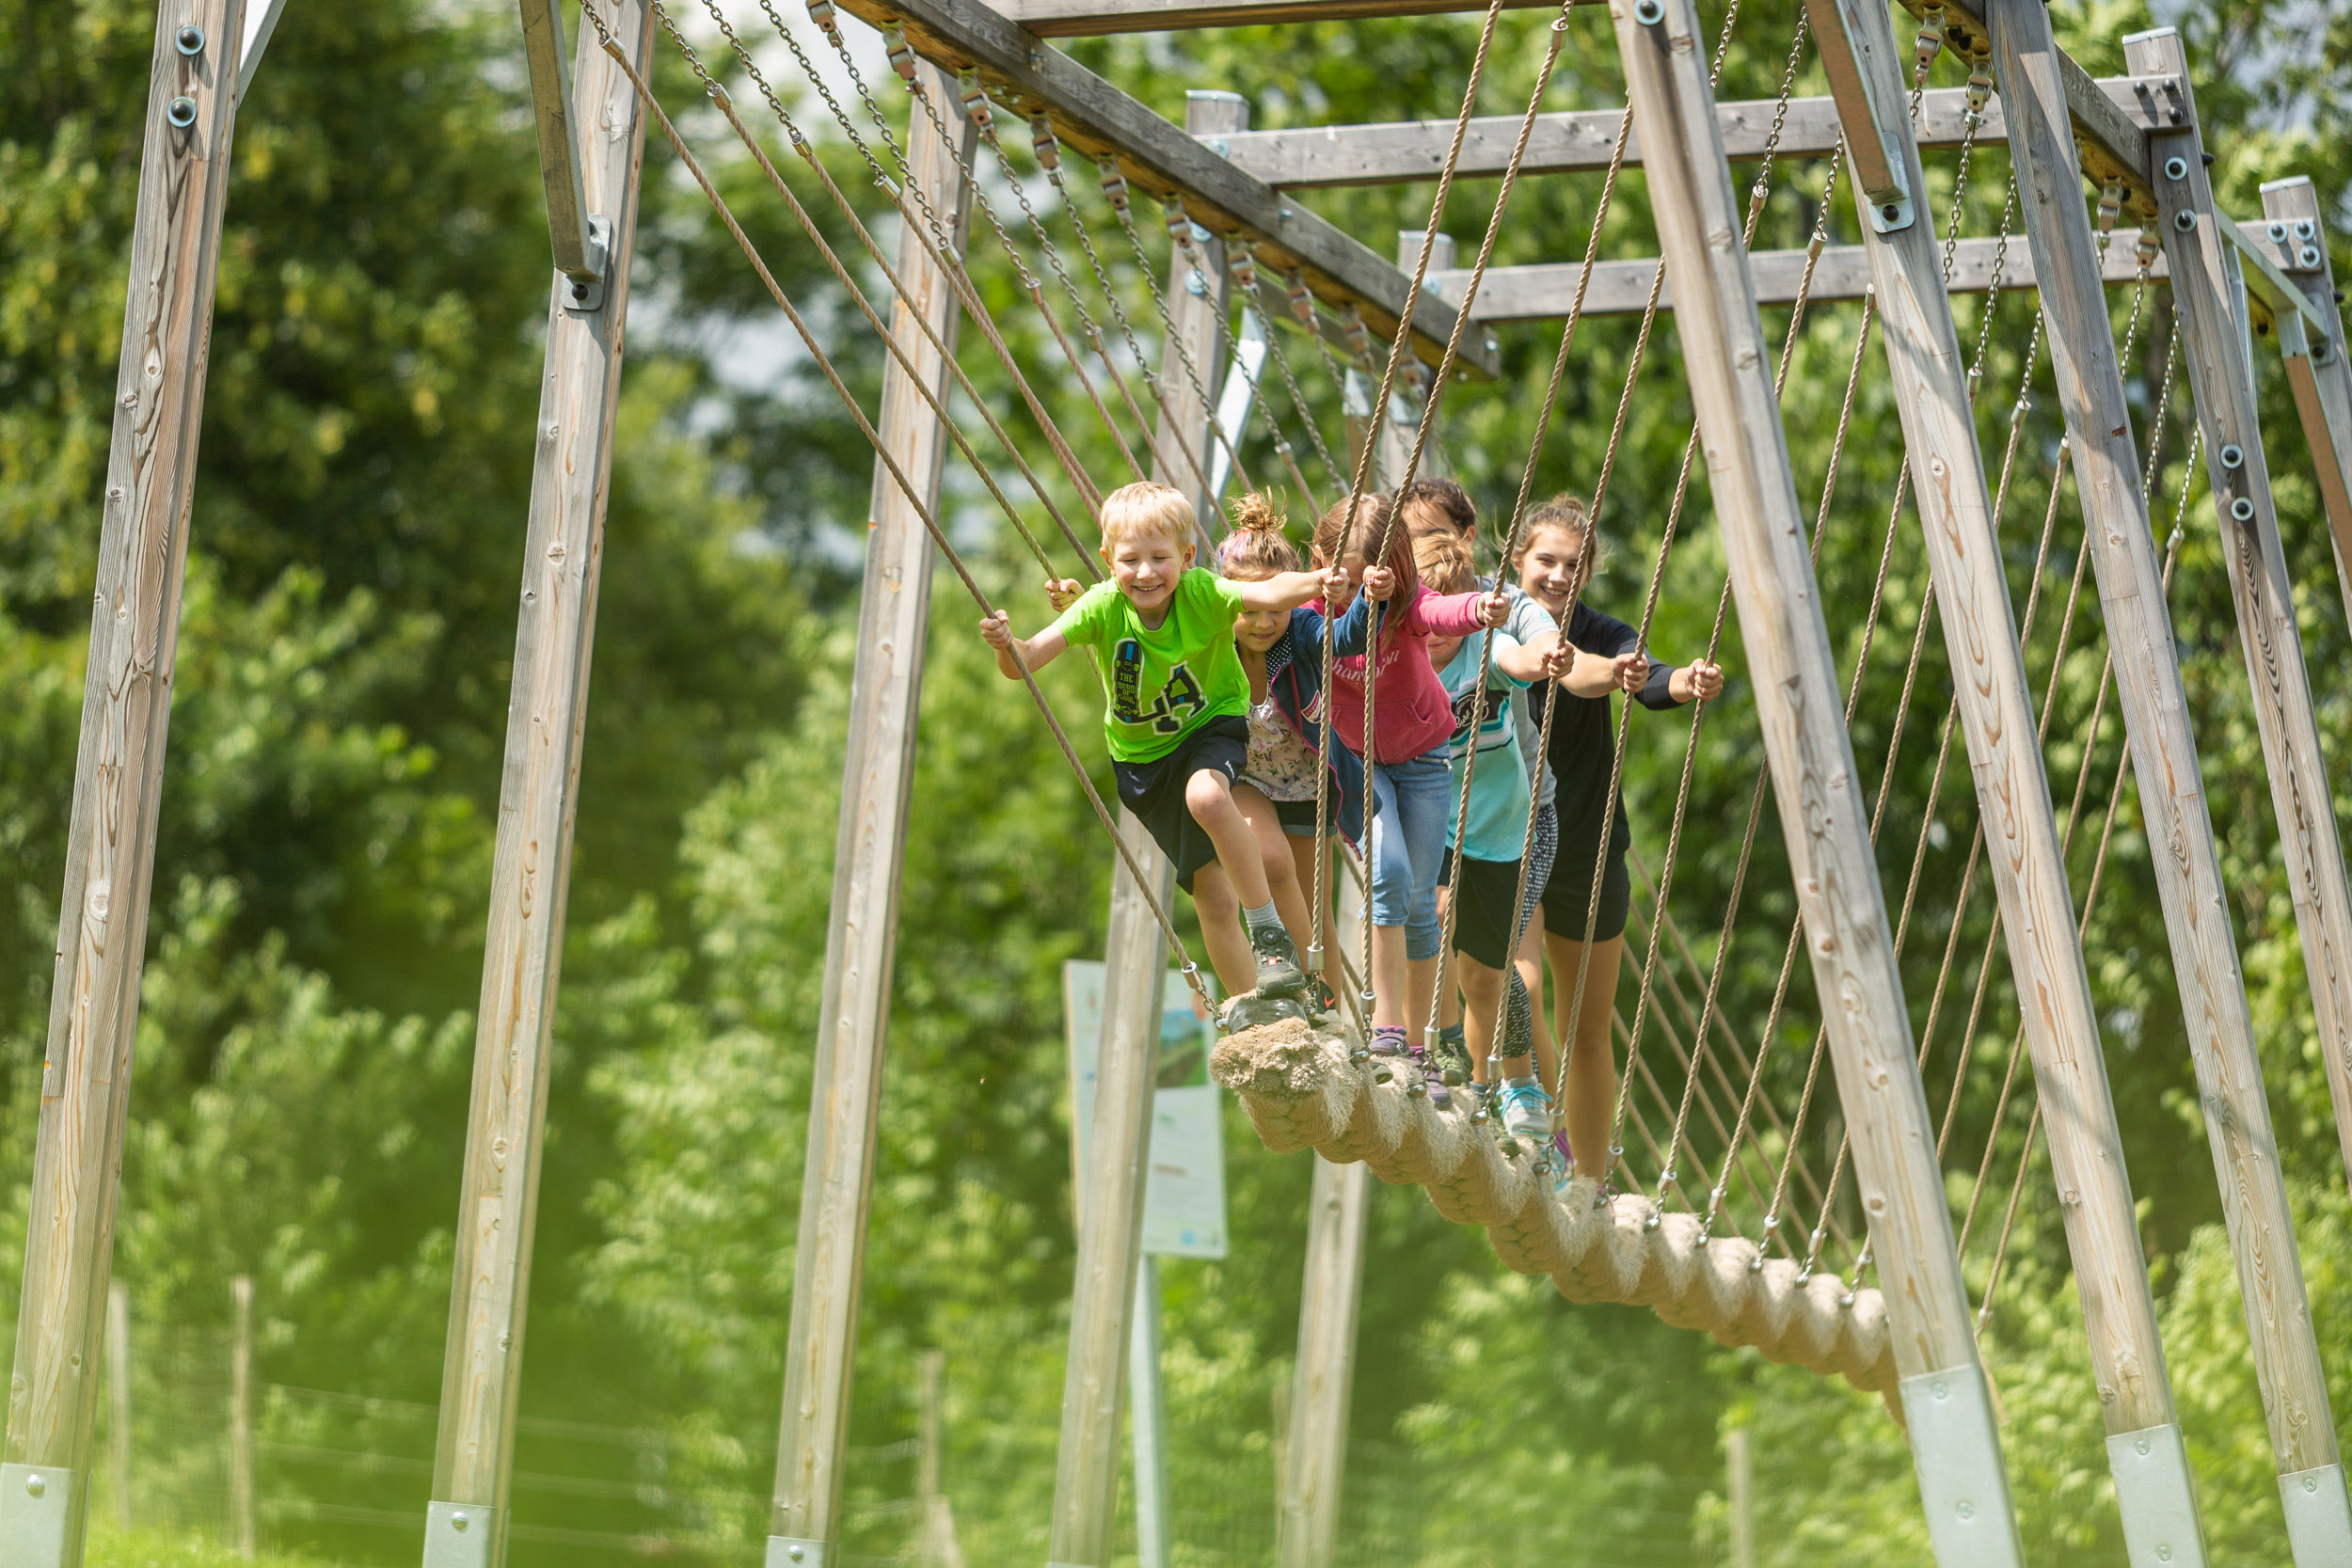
<point x="1171" y="711"/>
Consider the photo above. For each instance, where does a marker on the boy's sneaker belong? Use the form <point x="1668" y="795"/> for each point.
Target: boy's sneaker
<point x="1451" y="1057"/>
<point x="1526" y="1112"/>
<point x="1278" y="974"/>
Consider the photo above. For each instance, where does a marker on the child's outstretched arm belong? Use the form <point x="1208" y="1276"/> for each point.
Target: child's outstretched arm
<point x="1704" y="679"/>
<point x="1289" y="590"/>
<point x="1591" y="674"/>
<point x="1541" y="657"/>
<point x="1035" y="651"/>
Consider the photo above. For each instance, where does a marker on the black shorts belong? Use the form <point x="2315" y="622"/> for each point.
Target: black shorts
<point x="1154" y="790"/>
<point x="1569" y="895"/>
<point x="1298" y="819"/>
<point x="1485" y="909"/>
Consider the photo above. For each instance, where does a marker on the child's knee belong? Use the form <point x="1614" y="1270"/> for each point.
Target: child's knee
<point x="1207" y="792"/>
<point x="1214" y="899"/>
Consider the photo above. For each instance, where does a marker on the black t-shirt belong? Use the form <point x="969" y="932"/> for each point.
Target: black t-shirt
<point x="1583" y="745"/>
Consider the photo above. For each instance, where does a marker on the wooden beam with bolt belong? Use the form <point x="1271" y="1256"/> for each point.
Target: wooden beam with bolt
<point x="2319" y="367"/>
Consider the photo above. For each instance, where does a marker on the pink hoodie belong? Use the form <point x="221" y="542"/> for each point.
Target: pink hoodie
<point x="1410" y="705"/>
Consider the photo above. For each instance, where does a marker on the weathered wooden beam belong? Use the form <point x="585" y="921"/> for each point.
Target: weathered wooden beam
<point x="2157" y="1497"/>
<point x="2214" y="344"/>
<point x="1582" y="141"/>
<point x="2318" y="368"/>
<point x="579" y="255"/>
<point x="2195" y="898"/>
<point x="1096" y="118"/>
<point x="117" y="780"/>
<point x="1307" y="1522"/>
<point x="1088" y="18"/>
<point x="870" y="852"/>
<point x="1957" y="1449"/>
<point x="538" y="800"/>
<point x="1543" y="290"/>
<point x="1135" y="968"/>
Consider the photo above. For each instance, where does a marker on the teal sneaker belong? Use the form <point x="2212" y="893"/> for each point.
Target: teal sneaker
<point x="1526" y="1111"/>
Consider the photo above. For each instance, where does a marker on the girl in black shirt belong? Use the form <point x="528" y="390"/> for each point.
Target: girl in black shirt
<point x="1580" y="759"/>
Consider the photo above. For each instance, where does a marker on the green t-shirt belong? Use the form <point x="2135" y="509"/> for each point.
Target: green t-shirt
<point x="1165" y="681"/>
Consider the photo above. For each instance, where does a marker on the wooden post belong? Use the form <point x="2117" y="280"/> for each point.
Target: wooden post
<point x="2156" y="1496"/>
<point x="118" y="1386"/>
<point x="1956" y="1449"/>
<point x="1147" y="1418"/>
<point x="563" y="549"/>
<point x="1315" y="1464"/>
<point x="1741" y="1494"/>
<point x="936" y="1546"/>
<point x="2321" y="374"/>
<point x="241" y="1417"/>
<point x="2163" y="755"/>
<point x="2213" y="334"/>
<point x="1118" y="1146"/>
<point x="110" y="848"/>
<point x="878" y="770"/>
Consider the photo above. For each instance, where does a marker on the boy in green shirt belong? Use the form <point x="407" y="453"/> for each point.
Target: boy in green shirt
<point x="1178" y="720"/>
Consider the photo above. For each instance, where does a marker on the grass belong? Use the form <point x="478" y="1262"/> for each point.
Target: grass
<point x="112" y="1548"/>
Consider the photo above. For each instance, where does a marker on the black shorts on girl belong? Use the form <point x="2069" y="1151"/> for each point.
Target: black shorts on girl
<point x="1568" y="896"/>
<point x="1485" y="909"/>
<point x="1154" y="790"/>
<point x="1298" y="819"/>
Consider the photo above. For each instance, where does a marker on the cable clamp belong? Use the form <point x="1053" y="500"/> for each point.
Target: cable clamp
<point x="1979" y="94"/>
<point x="1358" y="336"/>
<point x="975" y="102"/>
<point x="1113" y="184"/>
<point x="2110" y="205"/>
<point x="1043" y="142"/>
<point x="820" y="13"/>
<point x="1244" y="267"/>
<point x="1930" y="42"/>
<point x="901" y="56"/>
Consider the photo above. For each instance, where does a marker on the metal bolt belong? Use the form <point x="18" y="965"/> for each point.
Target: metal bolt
<point x="458" y="1521"/>
<point x="2278" y="233"/>
<point x="2307" y="255"/>
<point x="1967" y="1510"/>
<point x="2176" y="168"/>
<point x="181" y="111"/>
<point x="2311" y="1483"/>
<point x="2185" y="220"/>
<point x="35" y="1485"/>
<point x="2306" y="229"/>
<point x="796" y="1553"/>
<point x="1649" y="13"/>
<point x="2233" y="455"/>
<point x="2242" y="509"/>
<point x="1940" y="1388"/>
<point x="2164" y="1554"/>
<point x="2141" y="1445"/>
<point x="1890" y="212"/>
<point x="190" y="39"/>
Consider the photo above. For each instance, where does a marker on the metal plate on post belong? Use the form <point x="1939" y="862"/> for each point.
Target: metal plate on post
<point x="1958" y="1460"/>
<point x="459" y="1535"/>
<point x="2157" y="1499"/>
<point x="36" y="1514"/>
<point x="790" y="1551"/>
<point x="2319" y="1517"/>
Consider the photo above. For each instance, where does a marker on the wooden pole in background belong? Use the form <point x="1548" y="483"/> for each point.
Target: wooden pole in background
<point x="1955" y="1450"/>
<point x="538" y="800"/>
<point x="118" y="779"/>
<point x="2155" y="1495"/>
<point x="1741" y="1497"/>
<point x="2321" y="375"/>
<point x="1118" y="1146"/>
<point x="119" y="1385"/>
<point x="1315" y="1463"/>
<point x="2196" y="899"/>
<point x="241" y="1473"/>
<point x="2214" y="336"/>
<point x="869" y="851"/>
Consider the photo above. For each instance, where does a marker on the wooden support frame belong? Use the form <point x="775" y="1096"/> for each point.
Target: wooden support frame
<point x="869" y="851"/>
<point x="1543" y="290"/>
<point x="1089" y="18"/>
<point x="2319" y="372"/>
<point x="2214" y="344"/>
<point x="1095" y="119"/>
<point x="1306" y="1520"/>
<point x="118" y="781"/>
<point x="1582" y="141"/>
<point x="1956" y="1447"/>
<point x="538" y="800"/>
<point x="2164" y="755"/>
<point x="2157" y="1499"/>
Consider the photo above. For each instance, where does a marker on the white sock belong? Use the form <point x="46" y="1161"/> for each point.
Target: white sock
<point x="1262" y="917"/>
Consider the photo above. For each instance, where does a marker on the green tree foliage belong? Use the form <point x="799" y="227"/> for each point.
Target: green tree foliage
<point x="305" y="1038"/>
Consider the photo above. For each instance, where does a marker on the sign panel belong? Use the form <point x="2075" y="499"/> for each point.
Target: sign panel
<point x="1184" y="1192"/>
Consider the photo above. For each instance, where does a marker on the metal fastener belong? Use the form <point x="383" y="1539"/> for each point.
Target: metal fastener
<point x="796" y="1553"/>
<point x="2242" y="509"/>
<point x="1940" y="1388"/>
<point x="457" y="1521"/>
<point x="2176" y="168"/>
<point x="2164" y="1554"/>
<point x="190" y="38"/>
<point x="2141" y="1445"/>
<point x="1649" y="13"/>
<point x="2185" y="220"/>
<point x="181" y="111"/>
<point x="2306" y="229"/>
<point x="2307" y="255"/>
<point x="2233" y="455"/>
<point x="2278" y="233"/>
<point x="2311" y="1483"/>
<point x="1967" y="1510"/>
<point x="35" y="1485"/>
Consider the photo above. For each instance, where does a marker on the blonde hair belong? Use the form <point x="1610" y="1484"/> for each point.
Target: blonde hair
<point x="1146" y="510"/>
<point x="1569" y="515"/>
<point x="1444" y="559"/>
<point x="1258" y="548"/>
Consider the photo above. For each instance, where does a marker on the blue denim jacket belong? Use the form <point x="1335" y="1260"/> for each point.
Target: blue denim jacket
<point x="1294" y="680"/>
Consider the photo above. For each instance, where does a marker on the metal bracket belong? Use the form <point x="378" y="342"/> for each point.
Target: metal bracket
<point x="2157" y="1499"/>
<point x="1957" y="1456"/>
<point x="1861" y="88"/>
<point x="790" y="1551"/>
<point x="459" y="1535"/>
<point x="585" y="297"/>
<point x="2319" y="1516"/>
<point x="36" y="1514"/>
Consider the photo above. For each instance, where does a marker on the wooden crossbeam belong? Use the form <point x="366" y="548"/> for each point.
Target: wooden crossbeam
<point x="1543" y="291"/>
<point x="1085" y="18"/>
<point x="1093" y="118"/>
<point x="1582" y="141"/>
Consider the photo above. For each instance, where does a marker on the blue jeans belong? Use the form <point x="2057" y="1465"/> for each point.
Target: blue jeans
<point x="1405" y="841"/>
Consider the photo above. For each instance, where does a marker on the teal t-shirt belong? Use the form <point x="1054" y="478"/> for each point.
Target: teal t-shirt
<point x="1165" y="681"/>
<point x="1500" y="789"/>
